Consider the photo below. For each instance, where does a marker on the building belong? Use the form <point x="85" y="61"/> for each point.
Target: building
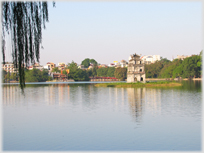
<point x="58" y="76"/>
<point x="111" y="65"/>
<point x="49" y="66"/>
<point x="182" y="57"/>
<point x="123" y="63"/>
<point x="61" y="66"/>
<point x="135" y="70"/>
<point x="35" y="66"/>
<point x="9" y="67"/>
<point x="149" y="59"/>
<point x="90" y="66"/>
<point x="102" y="65"/>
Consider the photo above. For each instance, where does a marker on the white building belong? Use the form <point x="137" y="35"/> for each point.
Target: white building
<point x="151" y="58"/>
<point x="9" y="67"/>
<point x="123" y="63"/>
<point x="182" y="57"/>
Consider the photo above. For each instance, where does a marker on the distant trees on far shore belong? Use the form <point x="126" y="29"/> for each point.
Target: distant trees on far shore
<point x="188" y="68"/>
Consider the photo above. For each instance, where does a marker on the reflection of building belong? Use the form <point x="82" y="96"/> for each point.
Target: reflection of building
<point x="135" y="69"/>
<point x="136" y="101"/>
<point x="10" y="94"/>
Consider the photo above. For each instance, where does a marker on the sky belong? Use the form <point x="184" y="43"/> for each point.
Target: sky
<point x="112" y="31"/>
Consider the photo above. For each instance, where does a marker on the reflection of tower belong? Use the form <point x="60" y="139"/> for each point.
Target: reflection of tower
<point x="135" y="98"/>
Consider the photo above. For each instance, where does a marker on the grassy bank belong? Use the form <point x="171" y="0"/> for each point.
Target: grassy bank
<point x="138" y="84"/>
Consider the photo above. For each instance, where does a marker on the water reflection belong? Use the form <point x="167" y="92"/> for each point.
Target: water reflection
<point x="139" y="100"/>
<point x="82" y="114"/>
<point x="136" y="101"/>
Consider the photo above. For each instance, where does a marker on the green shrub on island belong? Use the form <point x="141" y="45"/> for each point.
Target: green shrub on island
<point x="139" y="84"/>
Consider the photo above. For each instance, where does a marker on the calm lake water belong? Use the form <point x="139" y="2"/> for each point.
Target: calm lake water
<point x="81" y="117"/>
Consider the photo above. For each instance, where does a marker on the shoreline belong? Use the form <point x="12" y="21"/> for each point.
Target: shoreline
<point x="165" y="79"/>
<point x="138" y="84"/>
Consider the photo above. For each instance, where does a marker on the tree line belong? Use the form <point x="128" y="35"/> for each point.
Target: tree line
<point x="75" y="73"/>
<point x="188" y="68"/>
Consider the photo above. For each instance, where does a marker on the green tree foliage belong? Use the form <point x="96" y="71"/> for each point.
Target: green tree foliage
<point x="120" y="73"/>
<point x="188" y="68"/>
<point x="24" y="21"/>
<point x="106" y="72"/>
<point x="36" y="75"/>
<point x="153" y="70"/>
<point x="102" y="72"/>
<point x="56" y="69"/>
<point x="165" y="61"/>
<point x="76" y="73"/>
<point x="86" y="62"/>
<point x="93" y="61"/>
<point x="167" y="70"/>
<point x="80" y="75"/>
<point x="72" y="69"/>
<point x="111" y="71"/>
<point x="3" y="76"/>
<point x="93" y="72"/>
<point x="191" y="68"/>
<point x="178" y="71"/>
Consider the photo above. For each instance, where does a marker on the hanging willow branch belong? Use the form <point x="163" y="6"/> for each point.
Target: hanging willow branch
<point x="24" y="21"/>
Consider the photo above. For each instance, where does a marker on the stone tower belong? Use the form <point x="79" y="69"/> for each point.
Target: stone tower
<point x="135" y="70"/>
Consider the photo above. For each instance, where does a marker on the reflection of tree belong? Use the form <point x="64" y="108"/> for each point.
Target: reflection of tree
<point x="136" y="101"/>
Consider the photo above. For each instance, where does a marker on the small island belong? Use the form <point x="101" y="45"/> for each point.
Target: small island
<point x="139" y="84"/>
<point x="136" y="76"/>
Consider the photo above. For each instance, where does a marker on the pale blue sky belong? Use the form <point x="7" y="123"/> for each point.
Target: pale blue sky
<point x="111" y="31"/>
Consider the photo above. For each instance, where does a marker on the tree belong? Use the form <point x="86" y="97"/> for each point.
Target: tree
<point x="72" y="69"/>
<point x="178" y="71"/>
<point x="92" y="61"/>
<point x="56" y="69"/>
<point x="102" y="72"/>
<point x="93" y="71"/>
<point x="36" y="75"/>
<point x="167" y="70"/>
<point x="86" y="62"/>
<point x="4" y="73"/>
<point x="24" y="21"/>
<point x="76" y="73"/>
<point x="153" y="70"/>
<point x="120" y="73"/>
<point x="80" y="75"/>
<point x="110" y="72"/>
<point x="191" y="66"/>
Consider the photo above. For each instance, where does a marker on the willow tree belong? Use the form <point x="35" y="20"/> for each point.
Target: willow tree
<point x="24" y="22"/>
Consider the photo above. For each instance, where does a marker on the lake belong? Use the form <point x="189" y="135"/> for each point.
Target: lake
<point x="82" y="117"/>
